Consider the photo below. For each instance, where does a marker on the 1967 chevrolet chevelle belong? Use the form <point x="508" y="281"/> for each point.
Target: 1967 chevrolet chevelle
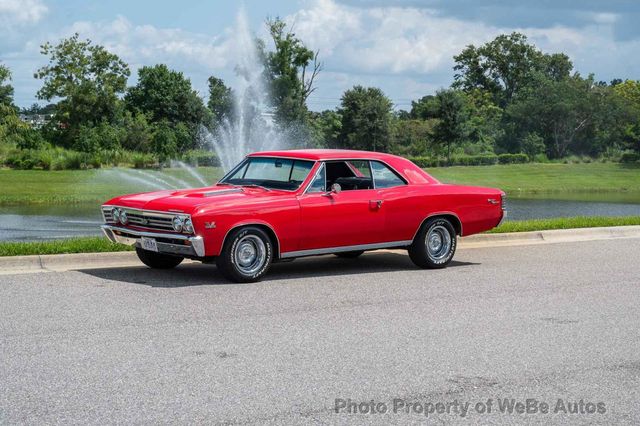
<point x="286" y="204"/>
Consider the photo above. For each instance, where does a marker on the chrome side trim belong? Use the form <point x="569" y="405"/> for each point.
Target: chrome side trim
<point x="329" y="250"/>
<point x="132" y="237"/>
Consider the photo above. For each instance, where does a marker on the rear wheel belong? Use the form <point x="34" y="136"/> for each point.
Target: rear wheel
<point x="158" y="260"/>
<point x="246" y="255"/>
<point x="349" y="254"/>
<point x="434" y="245"/>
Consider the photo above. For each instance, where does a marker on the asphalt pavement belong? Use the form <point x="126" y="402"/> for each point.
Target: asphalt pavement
<point x="555" y="324"/>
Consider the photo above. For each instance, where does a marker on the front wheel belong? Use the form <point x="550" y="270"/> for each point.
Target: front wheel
<point x="246" y="255"/>
<point x="157" y="260"/>
<point x="434" y="245"/>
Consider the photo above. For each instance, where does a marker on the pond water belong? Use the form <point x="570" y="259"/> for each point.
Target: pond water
<point x="33" y="223"/>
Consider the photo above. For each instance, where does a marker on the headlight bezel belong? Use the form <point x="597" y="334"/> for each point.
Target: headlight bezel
<point x="178" y="223"/>
<point x="123" y="218"/>
<point x="187" y="226"/>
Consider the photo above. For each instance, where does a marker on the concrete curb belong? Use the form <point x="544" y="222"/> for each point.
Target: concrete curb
<point x="550" y="236"/>
<point x="68" y="262"/>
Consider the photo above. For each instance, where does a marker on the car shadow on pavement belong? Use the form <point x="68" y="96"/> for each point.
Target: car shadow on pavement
<point x="195" y="274"/>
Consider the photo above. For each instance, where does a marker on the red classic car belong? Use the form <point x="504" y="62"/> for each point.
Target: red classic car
<point x="286" y="204"/>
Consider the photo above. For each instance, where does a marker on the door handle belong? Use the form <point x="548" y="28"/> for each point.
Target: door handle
<point x="375" y="204"/>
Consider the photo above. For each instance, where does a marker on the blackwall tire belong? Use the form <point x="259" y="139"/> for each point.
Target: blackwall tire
<point x="246" y="256"/>
<point x="434" y="245"/>
<point x="158" y="260"/>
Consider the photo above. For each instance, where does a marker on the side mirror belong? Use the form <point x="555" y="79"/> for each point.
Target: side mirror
<point x="335" y="189"/>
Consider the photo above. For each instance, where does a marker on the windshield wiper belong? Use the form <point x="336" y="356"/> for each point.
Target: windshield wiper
<point x="253" y="185"/>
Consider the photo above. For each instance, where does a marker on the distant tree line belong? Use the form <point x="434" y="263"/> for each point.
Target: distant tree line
<point x="508" y="101"/>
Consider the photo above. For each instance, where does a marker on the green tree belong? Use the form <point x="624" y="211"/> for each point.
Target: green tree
<point x="413" y="137"/>
<point x="629" y="92"/>
<point x="505" y="65"/>
<point x="425" y="107"/>
<point x="291" y="70"/>
<point x="6" y="89"/>
<point x="166" y="95"/>
<point x="326" y="127"/>
<point x="220" y="99"/>
<point x="453" y="114"/>
<point x="563" y="112"/>
<point x="165" y="142"/>
<point x="87" y="78"/>
<point x="366" y="119"/>
<point x="532" y="144"/>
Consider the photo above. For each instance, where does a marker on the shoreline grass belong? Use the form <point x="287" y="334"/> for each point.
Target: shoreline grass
<point x="102" y="245"/>
<point x="564" y="223"/>
<point x="66" y="246"/>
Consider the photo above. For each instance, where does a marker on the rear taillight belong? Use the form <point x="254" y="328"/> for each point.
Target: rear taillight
<point x="503" y="201"/>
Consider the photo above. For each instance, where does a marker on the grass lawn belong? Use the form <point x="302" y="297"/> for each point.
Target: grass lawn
<point x="91" y="186"/>
<point x="99" y="244"/>
<point x="546" y="178"/>
<point x="96" y="186"/>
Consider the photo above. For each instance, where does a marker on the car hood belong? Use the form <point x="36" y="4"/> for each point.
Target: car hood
<point x="191" y="200"/>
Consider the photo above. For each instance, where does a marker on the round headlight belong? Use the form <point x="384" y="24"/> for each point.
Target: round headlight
<point x="115" y="214"/>
<point x="123" y="217"/>
<point x="188" y="226"/>
<point x="177" y="224"/>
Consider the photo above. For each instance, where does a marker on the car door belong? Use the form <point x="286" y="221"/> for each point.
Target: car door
<point x="397" y="203"/>
<point x="346" y="218"/>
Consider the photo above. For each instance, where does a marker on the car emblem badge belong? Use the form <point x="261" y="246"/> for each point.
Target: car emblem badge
<point x="209" y="225"/>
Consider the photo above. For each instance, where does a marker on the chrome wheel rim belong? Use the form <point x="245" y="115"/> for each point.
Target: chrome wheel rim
<point x="250" y="254"/>
<point x="438" y="242"/>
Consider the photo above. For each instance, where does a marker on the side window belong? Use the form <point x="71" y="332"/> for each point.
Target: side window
<point x="384" y="177"/>
<point x="318" y="183"/>
<point x="350" y="175"/>
<point x="360" y="168"/>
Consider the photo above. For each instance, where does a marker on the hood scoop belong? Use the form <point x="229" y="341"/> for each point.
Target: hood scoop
<point x="215" y="193"/>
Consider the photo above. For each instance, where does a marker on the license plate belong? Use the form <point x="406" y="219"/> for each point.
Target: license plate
<point x="149" y="244"/>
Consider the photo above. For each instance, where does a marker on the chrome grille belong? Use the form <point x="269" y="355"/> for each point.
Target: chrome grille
<point x="143" y="219"/>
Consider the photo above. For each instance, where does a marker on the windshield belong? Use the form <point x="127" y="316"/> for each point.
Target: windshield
<point x="270" y="173"/>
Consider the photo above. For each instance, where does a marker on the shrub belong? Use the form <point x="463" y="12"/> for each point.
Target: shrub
<point x="28" y="159"/>
<point x="541" y="158"/>
<point x="630" y="157"/>
<point x="474" y="160"/>
<point x="30" y="139"/>
<point x="143" y="161"/>
<point x="201" y="158"/>
<point x="513" y="158"/>
<point x="68" y="160"/>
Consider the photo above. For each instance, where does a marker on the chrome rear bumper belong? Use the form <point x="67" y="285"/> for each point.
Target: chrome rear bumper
<point x="167" y="243"/>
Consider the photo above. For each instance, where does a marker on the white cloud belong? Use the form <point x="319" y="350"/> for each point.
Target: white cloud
<point x="21" y="11"/>
<point x="147" y="44"/>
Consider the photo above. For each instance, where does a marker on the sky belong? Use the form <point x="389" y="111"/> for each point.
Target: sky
<point x="405" y="47"/>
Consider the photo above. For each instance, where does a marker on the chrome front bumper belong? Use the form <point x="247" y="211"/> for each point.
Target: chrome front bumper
<point x="182" y="245"/>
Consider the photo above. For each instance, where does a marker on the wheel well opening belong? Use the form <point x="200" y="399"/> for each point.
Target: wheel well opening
<point x="269" y="232"/>
<point x="452" y="218"/>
